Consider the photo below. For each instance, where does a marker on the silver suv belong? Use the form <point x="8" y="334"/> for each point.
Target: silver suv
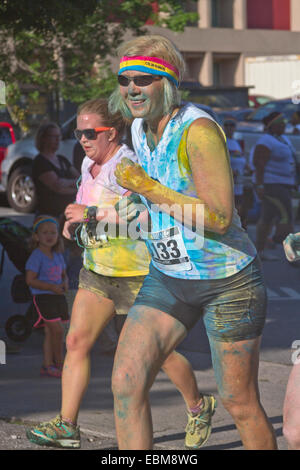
<point x="16" y="179"/>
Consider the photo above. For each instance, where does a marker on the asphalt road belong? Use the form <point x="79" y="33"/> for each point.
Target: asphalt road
<point x="281" y="332"/>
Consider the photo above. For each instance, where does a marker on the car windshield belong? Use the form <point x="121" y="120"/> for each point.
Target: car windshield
<point x="287" y="108"/>
<point x="262" y="99"/>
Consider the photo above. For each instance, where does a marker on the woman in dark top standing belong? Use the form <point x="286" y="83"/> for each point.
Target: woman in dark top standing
<point x="54" y="177"/>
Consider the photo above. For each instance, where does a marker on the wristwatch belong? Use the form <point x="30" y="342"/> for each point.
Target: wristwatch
<point x="89" y="214"/>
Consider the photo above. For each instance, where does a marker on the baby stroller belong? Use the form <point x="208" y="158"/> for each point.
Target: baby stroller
<point x="14" y="239"/>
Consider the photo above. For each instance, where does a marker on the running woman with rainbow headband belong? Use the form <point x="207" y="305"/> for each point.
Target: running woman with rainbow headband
<point x="114" y="267"/>
<point x="202" y="265"/>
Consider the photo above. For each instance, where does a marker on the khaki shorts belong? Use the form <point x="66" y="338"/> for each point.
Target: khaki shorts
<point x="121" y="290"/>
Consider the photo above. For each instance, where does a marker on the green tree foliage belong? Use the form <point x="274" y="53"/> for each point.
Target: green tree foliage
<point x="62" y="47"/>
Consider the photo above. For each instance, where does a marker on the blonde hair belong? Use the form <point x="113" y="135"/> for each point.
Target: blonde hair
<point x="42" y="132"/>
<point x="100" y="107"/>
<point x="151" y="46"/>
<point x="34" y="243"/>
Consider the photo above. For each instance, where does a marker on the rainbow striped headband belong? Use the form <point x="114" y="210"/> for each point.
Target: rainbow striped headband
<point x="41" y="221"/>
<point x="152" y="65"/>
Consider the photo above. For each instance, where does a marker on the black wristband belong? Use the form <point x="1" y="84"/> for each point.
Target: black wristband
<point x="92" y="213"/>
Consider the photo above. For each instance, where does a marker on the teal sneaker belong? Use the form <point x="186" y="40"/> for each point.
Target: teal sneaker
<point x="198" y="428"/>
<point x="55" y="433"/>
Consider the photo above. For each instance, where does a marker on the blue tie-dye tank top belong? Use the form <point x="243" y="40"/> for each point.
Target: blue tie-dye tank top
<point x="175" y="250"/>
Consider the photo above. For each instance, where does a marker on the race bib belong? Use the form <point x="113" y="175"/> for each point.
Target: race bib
<point x="168" y="250"/>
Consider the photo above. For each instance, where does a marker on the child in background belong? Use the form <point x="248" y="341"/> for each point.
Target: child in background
<point x="47" y="280"/>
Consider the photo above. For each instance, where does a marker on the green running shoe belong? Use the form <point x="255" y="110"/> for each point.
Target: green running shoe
<point x="55" y="433"/>
<point x="198" y="428"/>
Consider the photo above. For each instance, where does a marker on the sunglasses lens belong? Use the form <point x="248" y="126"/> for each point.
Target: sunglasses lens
<point x="140" y="80"/>
<point x="123" y="81"/>
<point x="143" y="80"/>
<point x="89" y="134"/>
<point x="78" y="134"/>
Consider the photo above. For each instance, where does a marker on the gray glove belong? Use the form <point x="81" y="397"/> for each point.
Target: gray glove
<point x="291" y="247"/>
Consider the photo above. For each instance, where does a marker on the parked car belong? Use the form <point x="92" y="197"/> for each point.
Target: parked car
<point x="16" y="176"/>
<point x="258" y="100"/>
<point x="7" y="137"/>
<point x="250" y="130"/>
<point x="238" y="114"/>
<point x="205" y="108"/>
<point x="285" y="106"/>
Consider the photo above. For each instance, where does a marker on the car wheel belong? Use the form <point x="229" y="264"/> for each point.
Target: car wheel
<point x="18" y="328"/>
<point x="21" y="192"/>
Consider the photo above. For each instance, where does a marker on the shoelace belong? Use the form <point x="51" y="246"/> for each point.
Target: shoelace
<point x="198" y="422"/>
<point x="56" y="422"/>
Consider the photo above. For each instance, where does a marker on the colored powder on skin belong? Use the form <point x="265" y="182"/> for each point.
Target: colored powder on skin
<point x="183" y="160"/>
<point x="248" y="347"/>
<point x="219" y="356"/>
<point x="184" y="168"/>
<point x="135" y="315"/>
<point x="218" y="369"/>
<point x="121" y="407"/>
<point x="204" y="139"/>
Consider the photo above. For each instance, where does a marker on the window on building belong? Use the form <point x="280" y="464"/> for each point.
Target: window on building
<point x="193" y="66"/>
<point x="225" y="69"/>
<point x="222" y="13"/>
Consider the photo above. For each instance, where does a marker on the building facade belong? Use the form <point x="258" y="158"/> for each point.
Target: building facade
<point x="231" y="34"/>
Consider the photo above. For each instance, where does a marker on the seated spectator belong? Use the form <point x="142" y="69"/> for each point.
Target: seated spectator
<point x="54" y="176"/>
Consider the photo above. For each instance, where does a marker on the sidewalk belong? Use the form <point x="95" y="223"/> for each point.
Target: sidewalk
<point x="27" y="398"/>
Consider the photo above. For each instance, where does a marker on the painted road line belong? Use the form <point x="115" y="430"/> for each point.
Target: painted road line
<point x="272" y="294"/>
<point x="291" y="294"/>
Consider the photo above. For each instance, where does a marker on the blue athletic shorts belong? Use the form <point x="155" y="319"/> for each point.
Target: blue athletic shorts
<point x="233" y="308"/>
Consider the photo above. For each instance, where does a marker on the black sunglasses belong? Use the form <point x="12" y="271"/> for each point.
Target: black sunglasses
<point x="90" y="134"/>
<point x="138" y="80"/>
